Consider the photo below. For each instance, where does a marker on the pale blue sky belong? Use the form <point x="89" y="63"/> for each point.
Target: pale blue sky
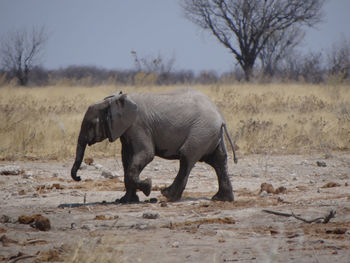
<point x="103" y="33"/>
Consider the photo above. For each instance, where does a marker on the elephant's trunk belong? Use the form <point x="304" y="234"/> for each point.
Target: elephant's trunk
<point x="78" y="159"/>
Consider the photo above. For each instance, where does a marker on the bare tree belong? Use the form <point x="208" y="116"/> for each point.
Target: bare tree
<point x="339" y="59"/>
<point x="307" y="67"/>
<point x="277" y="48"/>
<point x="20" y="52"/>
<point x="158" y="65"/>
<point x="245" y="26"/>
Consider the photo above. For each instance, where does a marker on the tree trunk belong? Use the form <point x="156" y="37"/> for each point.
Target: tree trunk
<point x="248" y="71"/>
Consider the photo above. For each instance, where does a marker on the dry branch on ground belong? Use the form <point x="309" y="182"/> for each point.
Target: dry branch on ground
<point x="324" y="219"/>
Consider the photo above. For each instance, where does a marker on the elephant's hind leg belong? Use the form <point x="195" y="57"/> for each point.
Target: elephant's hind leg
<point x="218" y="160"/>
<point x="174" y="191"/>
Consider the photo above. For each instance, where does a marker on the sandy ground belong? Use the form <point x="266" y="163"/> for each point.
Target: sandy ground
<point x="87" y="226"/>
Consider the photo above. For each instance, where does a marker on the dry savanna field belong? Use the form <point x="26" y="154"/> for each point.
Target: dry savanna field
<point x="293" y="144"/>
<point x="43" y="123"/>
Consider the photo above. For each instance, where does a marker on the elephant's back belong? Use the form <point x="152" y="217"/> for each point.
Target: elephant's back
<point x="187" y="117"/>
<point x="179" y="108"/>
<point x="177" y="103"/>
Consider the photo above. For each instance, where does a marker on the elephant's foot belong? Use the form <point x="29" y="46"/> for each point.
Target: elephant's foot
<point x="146" y="186"/>
<point x="129" y="198"/>
<point x="170" y="194"/>
<point x="224" y="196"/>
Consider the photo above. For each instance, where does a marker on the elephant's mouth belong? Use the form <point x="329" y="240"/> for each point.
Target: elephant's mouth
<point x="95" y="140"/>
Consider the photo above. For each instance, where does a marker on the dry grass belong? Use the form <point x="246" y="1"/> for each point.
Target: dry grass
<point x="43" y="123"/>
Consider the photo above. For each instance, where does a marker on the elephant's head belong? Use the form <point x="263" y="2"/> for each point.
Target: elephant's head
<point x="109" y="118"/>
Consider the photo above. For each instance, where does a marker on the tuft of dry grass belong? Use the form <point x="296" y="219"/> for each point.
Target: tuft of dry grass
<point x="44" y="123"/>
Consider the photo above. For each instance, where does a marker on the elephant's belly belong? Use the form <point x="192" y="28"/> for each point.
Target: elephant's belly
<point x="168" y="147"/>
<point x="166" y="154"/>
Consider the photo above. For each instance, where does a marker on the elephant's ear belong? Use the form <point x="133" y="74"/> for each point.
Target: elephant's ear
<point x="121" y="113"/>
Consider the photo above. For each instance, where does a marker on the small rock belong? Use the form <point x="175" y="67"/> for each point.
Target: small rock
<point x="280" y="199"/>
<point x="22" y="192"/>
<point x="100" y="217"/>
<point x="321" y="164"/>
<point x="86" y="227"/>
<point x="57" y="186"/>
<point x="150" y="215"/>
<point x="97" y="166"/>
<point x="163" y="204"/>
<point x="142" y="227"/>
<point x="225" y="233"/>
<point x="10" y="170"/>
<point x="153" y="200"/>
<point x="280" y="190"/>
<point x="37" y="221"/>
<point x="263" y="194"/>
<point x="4" y="219"/>
<point x="73" y="226"/>
<point x="268" y="188"/>
<point x="330" y="185"/>
<point x="305" y="162"/>
<point x="27" y="175"/>
<point x="89" y="161"/>
<point x="42" y="223"/>
<point x="23" y="219"/>
<point x="108" y="174"/>
<point x="176" y="244"/>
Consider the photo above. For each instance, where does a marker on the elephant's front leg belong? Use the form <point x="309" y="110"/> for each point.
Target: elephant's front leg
<point x="133" y="165"/>
<point x="133" y="183"/>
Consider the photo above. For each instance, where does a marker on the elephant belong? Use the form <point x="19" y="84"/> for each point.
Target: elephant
<point x="182" y="125"/>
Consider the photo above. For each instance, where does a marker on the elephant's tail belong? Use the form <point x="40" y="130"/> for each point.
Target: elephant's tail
<point x="224" y="128"/>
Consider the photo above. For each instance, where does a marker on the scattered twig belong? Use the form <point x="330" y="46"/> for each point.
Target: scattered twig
<point x="317" y="220"/>
<point x="20" y="258"/>
<point x="277" y="213"/>
<point x="314" y="253"/>
<point x="36" y="241"/>
<point x="328" y="217"/>
<point x="195" y="213"/>
<point x="325" y="219"/>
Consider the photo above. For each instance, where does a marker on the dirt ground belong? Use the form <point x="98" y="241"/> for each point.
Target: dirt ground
<point x="87" y="226"/>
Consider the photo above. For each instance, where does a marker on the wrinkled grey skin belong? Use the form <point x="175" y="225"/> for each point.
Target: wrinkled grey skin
<point x="183" y="124"/>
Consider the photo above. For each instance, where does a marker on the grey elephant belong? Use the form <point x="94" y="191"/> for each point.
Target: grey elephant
<point x="183" y="124"/>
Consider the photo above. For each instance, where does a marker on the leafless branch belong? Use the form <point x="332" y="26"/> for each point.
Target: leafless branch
<point x="325" y="219"/>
